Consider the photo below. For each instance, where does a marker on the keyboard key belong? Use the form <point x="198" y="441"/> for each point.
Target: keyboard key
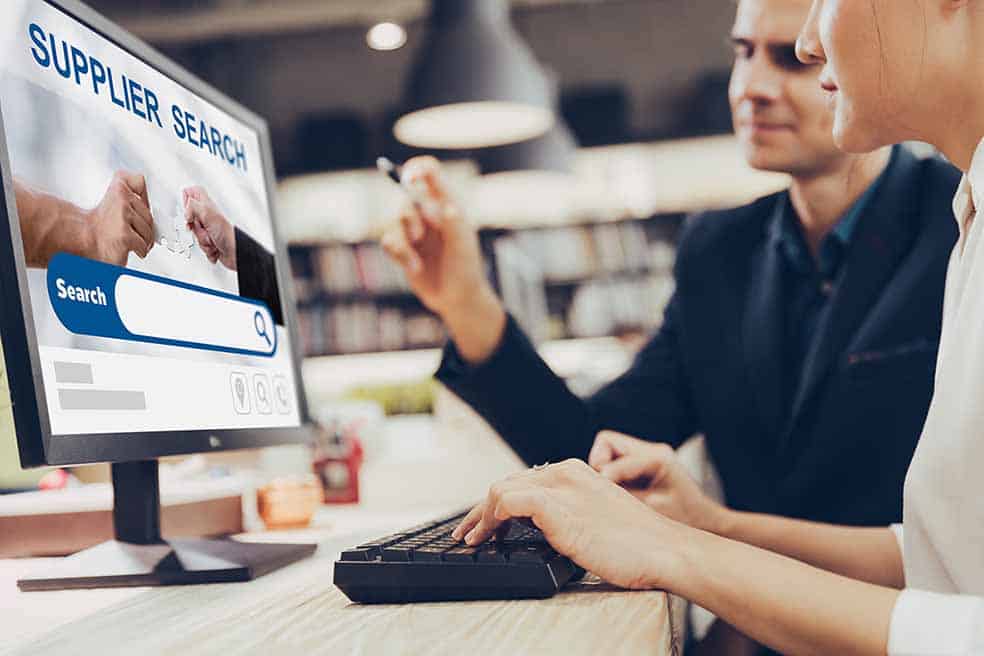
<point x="489" y="553"/>
<point x="428" y="554"/>
<point x="523" y="534"/>
<point x="360" y="554"/>
<point x="382" y="542"/>
<point x="460" y="555"/>
<point x="396" y="554"/>
<point x="532" y="553"/>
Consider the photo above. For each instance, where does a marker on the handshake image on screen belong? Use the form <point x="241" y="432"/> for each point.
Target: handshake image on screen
<point x="123" y="223"/>
<point x="230" y="246"/>
<point x="120" y="224"/>
<point x="214" y="233"/>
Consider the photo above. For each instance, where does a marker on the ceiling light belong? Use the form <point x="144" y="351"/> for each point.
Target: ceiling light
<point x="475" y="83"/>
<point x="472" y="125"/>
<point x="386" y="36"/>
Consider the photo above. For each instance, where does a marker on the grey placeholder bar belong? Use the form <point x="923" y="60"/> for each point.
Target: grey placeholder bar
<point x="77" y="373"/>
<point x="84" y="399"/>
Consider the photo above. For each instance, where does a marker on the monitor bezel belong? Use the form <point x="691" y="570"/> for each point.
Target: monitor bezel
<point x="36" y="444"/>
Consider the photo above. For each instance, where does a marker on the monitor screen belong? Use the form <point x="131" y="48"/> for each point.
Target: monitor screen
<point x="147" y="236"/>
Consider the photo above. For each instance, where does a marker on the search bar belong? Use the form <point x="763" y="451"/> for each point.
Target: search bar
<point x="102" y="300"/>
<point x="158" y="310"/>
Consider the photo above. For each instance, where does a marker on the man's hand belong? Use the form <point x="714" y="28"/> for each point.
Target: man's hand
<point x="652" y="473"/>
<point x="121" y="223"/>
<point x="215" y="234"/>
<point x="437" y="248"/>
<point x="439" y="253"/>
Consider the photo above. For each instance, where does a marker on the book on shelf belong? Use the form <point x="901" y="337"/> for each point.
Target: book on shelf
<point x="567" y="281"/>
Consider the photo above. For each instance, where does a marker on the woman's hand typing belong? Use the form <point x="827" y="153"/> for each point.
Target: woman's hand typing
<point x="587" y="518"/>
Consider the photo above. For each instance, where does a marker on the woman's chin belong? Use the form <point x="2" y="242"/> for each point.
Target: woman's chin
<point x="853" y="138"/>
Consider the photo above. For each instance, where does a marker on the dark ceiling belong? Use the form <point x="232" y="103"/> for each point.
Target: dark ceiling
<point x="628" y="69"/>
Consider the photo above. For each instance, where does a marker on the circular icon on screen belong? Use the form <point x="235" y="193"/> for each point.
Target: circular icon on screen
<point x="261" y="389"/>
<point x="281" y="395"/>
<point x="240" y="393"/>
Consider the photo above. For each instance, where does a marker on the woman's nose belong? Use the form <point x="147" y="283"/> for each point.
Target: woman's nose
<point x="809" y="50"/>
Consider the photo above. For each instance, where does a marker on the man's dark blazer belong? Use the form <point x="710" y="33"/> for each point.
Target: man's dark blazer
<point x="257" y="274"/>
<point x="841" y="453"/>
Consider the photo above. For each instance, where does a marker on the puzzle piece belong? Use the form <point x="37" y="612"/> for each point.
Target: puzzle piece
<point x="176" y="238"/>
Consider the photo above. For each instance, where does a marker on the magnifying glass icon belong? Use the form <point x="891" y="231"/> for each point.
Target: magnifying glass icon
<point x="259" y="322"/>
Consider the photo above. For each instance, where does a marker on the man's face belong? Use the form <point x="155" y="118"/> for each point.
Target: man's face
<point x="781" y="115"/>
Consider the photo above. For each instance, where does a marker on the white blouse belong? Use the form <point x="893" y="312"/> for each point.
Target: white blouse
<point x="942" y="609"/>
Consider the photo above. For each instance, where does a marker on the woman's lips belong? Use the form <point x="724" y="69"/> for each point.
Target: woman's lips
<point x="763" y="126"/>
<point x="827" y="85"/>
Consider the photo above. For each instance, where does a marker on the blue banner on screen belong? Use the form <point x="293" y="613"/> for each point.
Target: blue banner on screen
<point x="102" y="300"/>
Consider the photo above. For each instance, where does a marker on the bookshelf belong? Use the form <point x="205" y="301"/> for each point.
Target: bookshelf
<point x="352" y="299"/>
<point x="591" y="280"/>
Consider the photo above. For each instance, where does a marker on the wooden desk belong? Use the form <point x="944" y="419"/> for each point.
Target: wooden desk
<point x="298" y="610"/>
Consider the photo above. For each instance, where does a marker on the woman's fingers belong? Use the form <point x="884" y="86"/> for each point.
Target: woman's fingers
<point x="522" y="504"/>
<point x="631" y="468"/>
<point x="482" y="515"/>
<point x="519" y="504"/>
<point x="522" y="496"/>
<point x="517" y="497"/>
<point x="488" y="524"/>
<point x="582" y="516"/>
<point x="610" y="445"/>
<point x="602" y="451"/>
<point x="469" y="522"/>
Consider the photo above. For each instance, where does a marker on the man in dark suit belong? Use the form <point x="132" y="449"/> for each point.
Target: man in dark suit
<point x="801" y="339"/>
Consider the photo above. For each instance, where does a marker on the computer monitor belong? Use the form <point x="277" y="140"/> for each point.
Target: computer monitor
<point x="146" y="305"/>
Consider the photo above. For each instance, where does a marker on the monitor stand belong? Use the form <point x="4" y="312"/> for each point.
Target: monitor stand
<point x="140" y="557"/>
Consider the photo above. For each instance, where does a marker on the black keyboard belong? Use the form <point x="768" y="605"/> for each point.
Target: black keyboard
<point x="425" y="563"/>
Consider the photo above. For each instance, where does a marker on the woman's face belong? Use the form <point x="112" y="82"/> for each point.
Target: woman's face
<point x="875" y="59"/>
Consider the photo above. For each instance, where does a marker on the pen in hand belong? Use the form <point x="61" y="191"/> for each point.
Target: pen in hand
<point x="426" y="207"/>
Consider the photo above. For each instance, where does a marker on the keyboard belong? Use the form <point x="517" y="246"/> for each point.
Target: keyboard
<point x="425" y="563"/>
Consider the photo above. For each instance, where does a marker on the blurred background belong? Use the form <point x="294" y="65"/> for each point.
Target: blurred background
<point x="578" y="226"/>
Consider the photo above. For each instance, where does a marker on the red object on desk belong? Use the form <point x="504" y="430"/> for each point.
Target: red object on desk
<point x="337" y="461"/>
<point x="58" y="479"/>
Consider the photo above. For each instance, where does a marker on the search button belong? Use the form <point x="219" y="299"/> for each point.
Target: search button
<point x="141" y="307"/>
<point x="261" y="327"/>
<point x="264" y="404"/>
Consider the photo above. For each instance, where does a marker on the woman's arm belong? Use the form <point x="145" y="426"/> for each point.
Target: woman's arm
<point x="652" y="473"/>
<point x="792" y="607"/>
<point x="778" y="601"/>
<point x="865" y="554"/>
